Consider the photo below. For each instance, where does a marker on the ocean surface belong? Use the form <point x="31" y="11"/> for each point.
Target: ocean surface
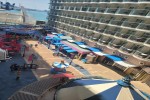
<point x="37" y="15"/>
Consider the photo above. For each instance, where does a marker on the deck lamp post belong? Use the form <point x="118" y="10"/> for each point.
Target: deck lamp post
<point x="24" y="49"/>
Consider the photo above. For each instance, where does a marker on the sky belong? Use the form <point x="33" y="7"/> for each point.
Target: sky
<point x="34" y="4"/>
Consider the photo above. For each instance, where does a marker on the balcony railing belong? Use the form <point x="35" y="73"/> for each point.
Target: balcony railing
<point x="104" y="40"/>
<point x="123" y="35"/>
<point x="109" y="32"/>
<point x="141" y="12"/>
<point x="144" y="26"/>
<point x="116" y="0"/>
<point x="116" y="22"/>
<point x="116" y="45"/>
<point x="138" y="39"/>
<point x="103" y="20"/>
<point x="123" y="11"/>
<point x="130" y="0"/>
<point x="129" y="50"/>
<point x="92" y="9"/>
<point x="141" y="54"/>
<point x="130" y="24"/>
<point x="100" y="30"/>
<point x="100" y="10"/>
<point x="148" y="41"/>
<point x="111" y="10"/>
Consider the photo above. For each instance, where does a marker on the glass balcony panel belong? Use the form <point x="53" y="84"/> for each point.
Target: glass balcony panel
<point x="123" y="11"/>
<point x="104" y="20"/>
<point x="105" y="0"/>
<point x="122" y="35"/>
<point x="88" y="18"/>
<point x="126" y="49"/>
<point x="130" y="24"/>
<point x="84" y="9"/>
<point x="100" y="10"/>
<point x="115" y="22"/>
<point x="92" y="9"/>
<point x="141" y="12"/>
<point x="148" y="41"/>
<point x="77" y="8"/>
<point x="100" y="30"/>
<point x="116" y="0"/>
<point x="138" y="39"/>
<point x="130" y="0"/>
<point x="144" y="26"/>
<point x="95" y="0"/>
<point x="111" y="10"/>
<point x="143" y="0"/>
<point x="109" y="32"/>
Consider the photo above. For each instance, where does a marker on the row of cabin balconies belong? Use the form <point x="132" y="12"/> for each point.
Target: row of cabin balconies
<point x="96" y="1"/>
<point x="119" y="23"/>
<point x="125" y="46"/>
<point x="126" y="11"/>
<point x="131" y="36"/>
<point x="129" y="47"/>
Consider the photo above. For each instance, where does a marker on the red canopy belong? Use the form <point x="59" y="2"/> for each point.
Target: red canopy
<point x="63" y="75"/>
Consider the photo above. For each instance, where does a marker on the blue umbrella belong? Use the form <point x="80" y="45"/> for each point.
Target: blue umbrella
<point x="99" y="89"/>
<point x="60" y="65"/>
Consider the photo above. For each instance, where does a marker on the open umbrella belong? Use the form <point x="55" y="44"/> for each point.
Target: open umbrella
<point x="63" y="75"/>
<point x="60" y="65"/>
<point x="99" y="89"/>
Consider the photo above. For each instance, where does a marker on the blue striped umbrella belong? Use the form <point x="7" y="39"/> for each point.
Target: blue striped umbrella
<point x="99" y="89"/>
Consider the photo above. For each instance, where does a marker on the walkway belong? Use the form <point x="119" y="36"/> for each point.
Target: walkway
<point x="8" y="84"/>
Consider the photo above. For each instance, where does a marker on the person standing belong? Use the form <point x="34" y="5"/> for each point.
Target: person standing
<point x="49" y="44"/>
<point x="18" y="74"/>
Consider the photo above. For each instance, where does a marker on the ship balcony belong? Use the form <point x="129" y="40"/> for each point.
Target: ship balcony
<point x="84" y="26"/>
<point x="143" y="53"/>
<point x="125" y="49"/>
<point x="104" y="40"/>
<point x="143" y="0"/>
<point x="84" y="9"/>
<point x="103" y="20"/>
<point x="116" y="22"/>
<point x="111" y="10"/>
<point x="102" y="10"/>
<point x="123" y="11"/>
<point x="137" y="39"/>
<point x="130" y="0"/>
<point x="130" y="24"/>
<point x="144" y="26"/>
<point x="87" y="18"/>
<point x="141" y="12"/>
<point x="105" y="0"/>
<point x="91" y="9"/>
<point x="96" y="37"/>
<point x="100" y="30"/>
<point x="77" y="8"/>
<point x="115" y="44"/>
<point x="95" y="19"/>
<point x="91" y="28"/>
<point x="109" y="32"/>
<point x="116" y="0"/>
<point x="147" y="42"/>
<point x="122" y="35"/>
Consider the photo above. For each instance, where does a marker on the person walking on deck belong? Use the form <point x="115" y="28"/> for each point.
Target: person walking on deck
<point x="18" y="74"/>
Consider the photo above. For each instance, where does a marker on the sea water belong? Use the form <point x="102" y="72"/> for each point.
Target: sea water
<point x="37" y="15"/>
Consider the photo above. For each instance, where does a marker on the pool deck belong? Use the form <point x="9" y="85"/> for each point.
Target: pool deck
<point x="46" y="58"/>
<point x="8" y="83"/>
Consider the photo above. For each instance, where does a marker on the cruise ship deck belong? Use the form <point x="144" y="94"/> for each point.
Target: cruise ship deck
<point x="118" y="27"/>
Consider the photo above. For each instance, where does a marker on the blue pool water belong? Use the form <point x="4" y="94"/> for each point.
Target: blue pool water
<point x="38" y="15"/>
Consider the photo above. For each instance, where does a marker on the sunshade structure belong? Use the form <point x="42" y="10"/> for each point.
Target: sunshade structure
<point x="76" y="47"/>
<point x="114" y="57"/>
<point x="66" y="37"/>
<point x="99" y="89"/>
<point x="60" y="65"/>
